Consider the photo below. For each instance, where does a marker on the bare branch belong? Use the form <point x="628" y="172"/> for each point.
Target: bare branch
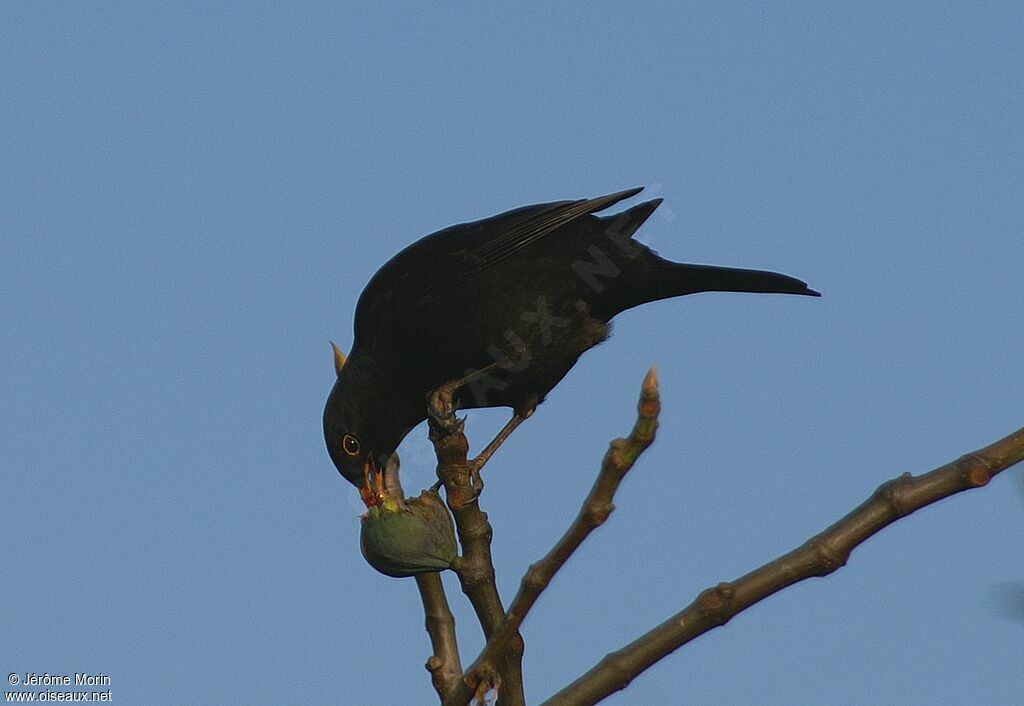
<point x="475" y="568"/>
<point x="819" y="556"/>
<point x="444" y="665"/>
<point x="621" y="456"/>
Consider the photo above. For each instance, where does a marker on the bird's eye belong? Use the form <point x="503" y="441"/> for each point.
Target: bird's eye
<point x="350" y="444"/>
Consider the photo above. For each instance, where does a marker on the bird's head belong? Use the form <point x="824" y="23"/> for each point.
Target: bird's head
<point x="358" y="452"/>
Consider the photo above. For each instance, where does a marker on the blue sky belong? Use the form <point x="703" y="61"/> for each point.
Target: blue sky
<point x="192" y="197"/>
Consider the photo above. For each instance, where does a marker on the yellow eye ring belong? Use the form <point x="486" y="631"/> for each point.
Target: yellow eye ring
<point x="350" y="444"/>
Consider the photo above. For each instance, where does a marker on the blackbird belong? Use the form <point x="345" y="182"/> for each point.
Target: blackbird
<point x="499" y="310"/>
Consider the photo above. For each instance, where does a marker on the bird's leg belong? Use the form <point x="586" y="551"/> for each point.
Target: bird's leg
<point x="441" y="408"/>
<point x="506" y="431"/>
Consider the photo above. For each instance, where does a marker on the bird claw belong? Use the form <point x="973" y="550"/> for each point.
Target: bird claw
<point x="476" y="481"/>
<point x="441" y="408"/>
<point x="441" y="402"/>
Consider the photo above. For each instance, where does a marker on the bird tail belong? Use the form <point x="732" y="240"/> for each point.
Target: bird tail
<point x="675" y="279"/>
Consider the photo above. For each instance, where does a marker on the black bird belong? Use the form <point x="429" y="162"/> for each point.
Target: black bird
<point x="500" y="309"/>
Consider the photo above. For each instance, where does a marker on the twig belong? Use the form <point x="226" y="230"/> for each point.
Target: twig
<point x="444" y="665"/>
<point x="819" y="556"/>
<point x="475" y="568"/>
<point x="621" y="456"/>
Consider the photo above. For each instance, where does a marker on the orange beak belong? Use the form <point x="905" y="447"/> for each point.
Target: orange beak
<point x="373" y="491"/>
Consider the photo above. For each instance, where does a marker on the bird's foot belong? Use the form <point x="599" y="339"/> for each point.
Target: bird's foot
<point x="476" y="481"/>
<point x="441" y="408"/>
<point x="441" y="402"/>
<point x="463" y="487"/>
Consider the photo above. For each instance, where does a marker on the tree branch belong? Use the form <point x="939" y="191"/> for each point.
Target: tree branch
<point x="621" y="456"/>
<point x="444" y="665"/>
<point x="475" y="568"/>
<point x="819" y="556"/>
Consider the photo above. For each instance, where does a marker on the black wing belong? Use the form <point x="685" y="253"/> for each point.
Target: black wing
<point x="450" y="257"/>
<point x="517" y="237"/>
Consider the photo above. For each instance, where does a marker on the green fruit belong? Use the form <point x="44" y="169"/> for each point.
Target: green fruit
<point x="408" y="539"/>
